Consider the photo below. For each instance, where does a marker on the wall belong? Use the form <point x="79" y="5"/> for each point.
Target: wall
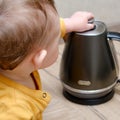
<point x="105" y="10"/>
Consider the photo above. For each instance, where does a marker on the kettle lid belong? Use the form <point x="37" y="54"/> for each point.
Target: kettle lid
<point x="98" y="29"/>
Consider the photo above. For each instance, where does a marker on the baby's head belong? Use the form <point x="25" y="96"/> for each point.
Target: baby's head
<point x="25" y="25"/>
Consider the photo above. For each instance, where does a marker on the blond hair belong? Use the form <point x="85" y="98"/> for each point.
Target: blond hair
<point x="25" y="24"/>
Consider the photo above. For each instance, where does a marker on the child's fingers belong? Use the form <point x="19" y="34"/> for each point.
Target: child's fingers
<point x="90" y="26"/>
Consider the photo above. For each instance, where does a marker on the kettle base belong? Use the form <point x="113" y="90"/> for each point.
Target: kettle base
<point x="94" y="101"/>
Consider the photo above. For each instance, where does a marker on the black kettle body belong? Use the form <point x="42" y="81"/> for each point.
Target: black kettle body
<point x="89" y="69"/>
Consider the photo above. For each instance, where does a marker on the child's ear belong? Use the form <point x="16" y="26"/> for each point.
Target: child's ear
<point x="39" y="58"/>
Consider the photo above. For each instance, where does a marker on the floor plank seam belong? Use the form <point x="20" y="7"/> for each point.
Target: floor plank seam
<point x="101" y="116"/>
<point x="51" y="74"/>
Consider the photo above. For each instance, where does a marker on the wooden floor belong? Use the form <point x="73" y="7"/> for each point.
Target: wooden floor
<point x="62" y="109"/>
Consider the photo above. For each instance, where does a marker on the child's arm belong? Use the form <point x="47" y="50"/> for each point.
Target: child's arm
<point x="77" y="22"/>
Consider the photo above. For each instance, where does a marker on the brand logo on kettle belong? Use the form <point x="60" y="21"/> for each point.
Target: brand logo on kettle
<point x="84" y="82"/>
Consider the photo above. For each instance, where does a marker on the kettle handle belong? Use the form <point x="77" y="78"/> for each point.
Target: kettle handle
<point x="113" y="35"/>
<point x="116" y="37"/>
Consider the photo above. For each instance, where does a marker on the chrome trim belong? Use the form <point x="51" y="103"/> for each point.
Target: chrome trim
<point x="89" y="91"/>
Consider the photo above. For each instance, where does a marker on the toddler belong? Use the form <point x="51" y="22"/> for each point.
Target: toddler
<point x="29" y="36"/>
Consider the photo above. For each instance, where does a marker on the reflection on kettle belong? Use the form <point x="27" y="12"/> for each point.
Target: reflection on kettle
<point x="89" y="68"/>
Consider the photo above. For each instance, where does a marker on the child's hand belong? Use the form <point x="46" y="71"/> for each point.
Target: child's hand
<point x="79" y="22"/>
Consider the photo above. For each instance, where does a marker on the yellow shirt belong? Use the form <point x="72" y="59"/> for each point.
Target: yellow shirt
<point x="62" y="27"/>
<point x="18" y="102"/>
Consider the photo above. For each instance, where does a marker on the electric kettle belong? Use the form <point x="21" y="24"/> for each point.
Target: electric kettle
<point x="89" y="67"/>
